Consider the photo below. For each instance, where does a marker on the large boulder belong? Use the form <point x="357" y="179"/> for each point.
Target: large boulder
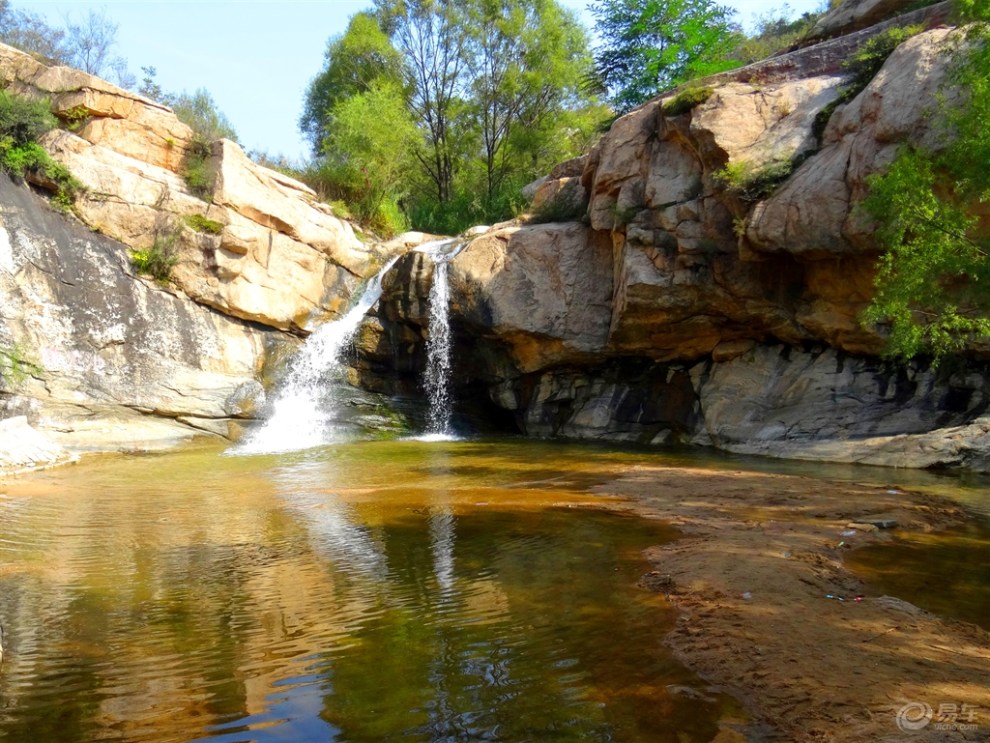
<point x="100" y="111"/>
<point x="544" y="290"/>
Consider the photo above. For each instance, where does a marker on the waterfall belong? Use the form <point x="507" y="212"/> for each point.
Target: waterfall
<point x="304" y="409"/>
<point x="436" y="378"/>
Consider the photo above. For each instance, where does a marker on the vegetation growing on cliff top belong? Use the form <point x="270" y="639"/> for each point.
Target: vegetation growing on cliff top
<point x="22" y="122"/>
<point x="931" y="287"/>
<point x="653" y="45"/>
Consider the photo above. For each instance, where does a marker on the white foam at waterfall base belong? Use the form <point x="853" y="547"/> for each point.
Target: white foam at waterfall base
<point x="304" y="410"/>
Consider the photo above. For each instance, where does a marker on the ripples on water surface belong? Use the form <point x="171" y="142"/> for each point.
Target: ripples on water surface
<point x="370" y="591"/>
<point x="362" y="592"/>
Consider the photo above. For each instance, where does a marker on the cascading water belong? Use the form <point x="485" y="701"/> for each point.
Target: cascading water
<point x="436" y="378"/>
<point x="303" y="412"/>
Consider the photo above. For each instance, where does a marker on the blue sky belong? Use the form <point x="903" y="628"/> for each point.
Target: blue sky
<point x="256" y="58"/>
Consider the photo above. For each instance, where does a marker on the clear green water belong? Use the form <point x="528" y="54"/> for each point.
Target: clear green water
<point x="366" y="592"/>
<point x="372" y="591"/>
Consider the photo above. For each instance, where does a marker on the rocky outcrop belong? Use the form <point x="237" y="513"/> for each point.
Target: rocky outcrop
<point x="23" y="448"/>
<point x="281" y="258"/>
<point x="853" y="15"/>
<point x="712" y="293"/>
<point x="99" y="358"/>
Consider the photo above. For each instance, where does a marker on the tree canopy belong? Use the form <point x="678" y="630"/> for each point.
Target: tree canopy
<point x="354" y="61"/>
<point x="491" y="89"/>
<point x="649" y="46"/>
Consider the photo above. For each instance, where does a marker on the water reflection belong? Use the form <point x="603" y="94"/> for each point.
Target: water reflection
<point x="331" y="596"/>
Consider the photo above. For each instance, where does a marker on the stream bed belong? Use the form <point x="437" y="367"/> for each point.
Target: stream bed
<point x="366" y="591"/>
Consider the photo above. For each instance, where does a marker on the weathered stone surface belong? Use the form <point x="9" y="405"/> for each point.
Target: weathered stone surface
<point x="249" y="271"/>
<point x="814" y="212"/>
<point x="544" y="289"/>
<point x="760" y="124"/>
<point x="24" y="448"/>
<point x="286" y="206"/>
<point x="852" y="15"/>
<point x="561" y="196"/>
<point x="113" y="359"/>
<point x="104" y="113"/>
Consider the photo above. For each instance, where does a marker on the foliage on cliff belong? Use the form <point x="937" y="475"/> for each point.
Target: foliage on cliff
<point x="931" y="287"/>
<point x="22" y="121"/>
<point x="649" y="46"/>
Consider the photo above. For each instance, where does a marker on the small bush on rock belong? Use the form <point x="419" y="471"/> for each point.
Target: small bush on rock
<point x="202" y="223"/>
<point x="159" y="258"/>
<point x="22" y="121"/>
<point x="753" y="183"/>
<point x="686" y="100"/>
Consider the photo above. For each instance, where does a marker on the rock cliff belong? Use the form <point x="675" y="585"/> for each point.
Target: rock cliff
<point x="708" y="293"/>
<point x="100" y="357"/>
<point x="688" y="307"/>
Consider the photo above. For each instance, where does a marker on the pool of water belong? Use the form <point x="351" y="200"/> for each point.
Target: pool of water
<point x="428" y="591"/>
<point x="368" y="591"/>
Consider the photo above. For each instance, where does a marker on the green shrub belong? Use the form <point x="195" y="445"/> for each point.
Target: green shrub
<point x="686" y="100"/>
<point x="928" y="206"/>
<point x="386" y="218"/>
<point x="202" y="223"/>
<point x="752" y="183"/>
<point x="198" y="172"/>
<point x="15" y="366"/>
<point x="159" y="259"/>
<point x="74" y="117"/>
<point x="22" y="121"/>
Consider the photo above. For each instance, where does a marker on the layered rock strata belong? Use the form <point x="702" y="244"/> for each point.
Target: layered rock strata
<point x="698" y="306"/>
<point x="103" y="358"/>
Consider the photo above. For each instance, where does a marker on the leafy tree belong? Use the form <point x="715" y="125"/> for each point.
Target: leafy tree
<point x="527" y="61"/>
<point x="931" y="286"/>
<point x="355" y="61"/>
<point x="649" y="46"/>
<point x="369" y="153"/>
<point x="31" y="33"/>
<point x="491" y="87"/>
<point x="200" y="112"/>
<point x="431" y="36"/>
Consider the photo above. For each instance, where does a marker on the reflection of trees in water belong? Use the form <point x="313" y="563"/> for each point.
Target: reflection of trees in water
<point x="219" y="609"/>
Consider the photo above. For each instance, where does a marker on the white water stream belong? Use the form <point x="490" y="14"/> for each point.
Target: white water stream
<point x="304" y="411"/>
<point x="436" y="376"/>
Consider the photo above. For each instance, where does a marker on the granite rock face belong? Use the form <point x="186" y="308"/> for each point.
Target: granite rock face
<point x="690" y="305"/>
<point x="279" y="257"/>
<point x="99" y="358"/>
